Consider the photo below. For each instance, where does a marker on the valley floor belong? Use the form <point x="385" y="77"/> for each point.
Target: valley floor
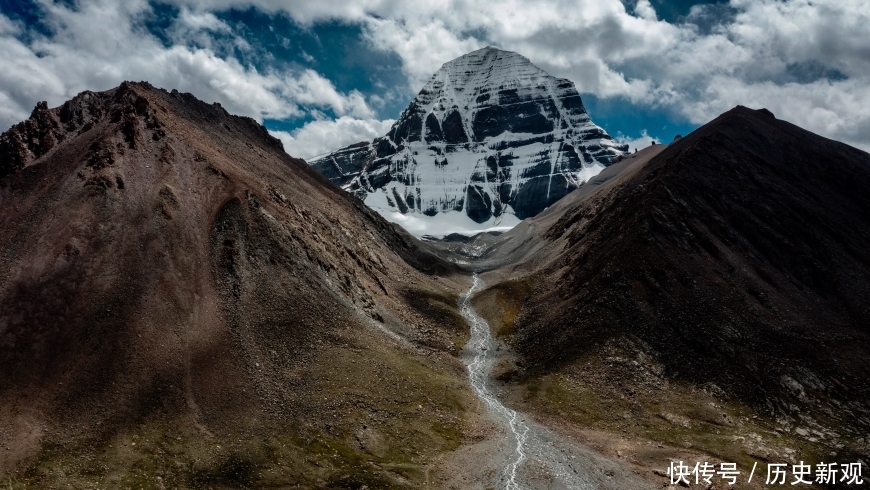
<point x="612" y="420"/>
<point x="608" y="421"/>
<point x="517" y="451"/>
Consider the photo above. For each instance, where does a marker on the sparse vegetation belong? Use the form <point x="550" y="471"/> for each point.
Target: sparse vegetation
<point x="503" y="303"/>
<point x="376" y="416"/>
<point x="621" y="395"/>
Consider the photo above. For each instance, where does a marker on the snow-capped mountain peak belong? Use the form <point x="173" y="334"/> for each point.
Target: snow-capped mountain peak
<point x="489" y="140"/>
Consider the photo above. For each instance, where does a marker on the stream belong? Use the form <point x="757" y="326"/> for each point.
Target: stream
<point x="480" y="367"/>
<point x="534" y="456"/>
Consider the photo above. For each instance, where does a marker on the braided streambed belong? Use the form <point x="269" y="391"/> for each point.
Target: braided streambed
<point x="566" y="465"/>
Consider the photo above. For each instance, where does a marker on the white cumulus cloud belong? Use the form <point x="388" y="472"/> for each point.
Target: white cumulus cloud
<point x="808" y="60"/>
<point x="637" y="143"/>
<point x="324" y="135"/>
<point x="97" y="44"/>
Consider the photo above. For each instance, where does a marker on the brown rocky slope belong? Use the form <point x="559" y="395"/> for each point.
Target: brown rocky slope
<point x="171" y="278"/>
<point x="736" y="252"/>
<point x="734" y="261"/>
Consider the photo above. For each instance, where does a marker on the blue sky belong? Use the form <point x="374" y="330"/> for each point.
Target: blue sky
<point x="321" y="75"/>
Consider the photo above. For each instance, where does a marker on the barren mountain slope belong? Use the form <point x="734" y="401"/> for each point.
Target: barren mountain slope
<point x="185" y="305"/>
<point x="729" y="271"/>
<point x="751" y="231"/>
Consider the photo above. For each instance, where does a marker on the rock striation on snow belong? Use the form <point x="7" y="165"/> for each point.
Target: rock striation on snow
<point x="490" y="139"/>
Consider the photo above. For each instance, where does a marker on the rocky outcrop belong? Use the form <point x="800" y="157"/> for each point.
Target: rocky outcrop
<point x="30" y="139"/>
<point x="490" y="134"/>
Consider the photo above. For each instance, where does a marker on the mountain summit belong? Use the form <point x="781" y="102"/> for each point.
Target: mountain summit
<point x="491" y="139"/>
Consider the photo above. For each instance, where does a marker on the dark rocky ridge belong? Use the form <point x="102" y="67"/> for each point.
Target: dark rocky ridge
<point x="740" y="254"/>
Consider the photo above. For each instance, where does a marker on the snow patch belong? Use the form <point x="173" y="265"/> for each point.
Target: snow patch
<point x="440" y="225"/>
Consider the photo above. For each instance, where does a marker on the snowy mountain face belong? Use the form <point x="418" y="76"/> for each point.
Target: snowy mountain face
<point x="490" y="140"/>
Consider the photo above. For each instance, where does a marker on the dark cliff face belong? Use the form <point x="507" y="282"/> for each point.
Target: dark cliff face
<point x="740" y="254"/>
<point x="342" y="166"/>
<point x="489" y="134"/>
